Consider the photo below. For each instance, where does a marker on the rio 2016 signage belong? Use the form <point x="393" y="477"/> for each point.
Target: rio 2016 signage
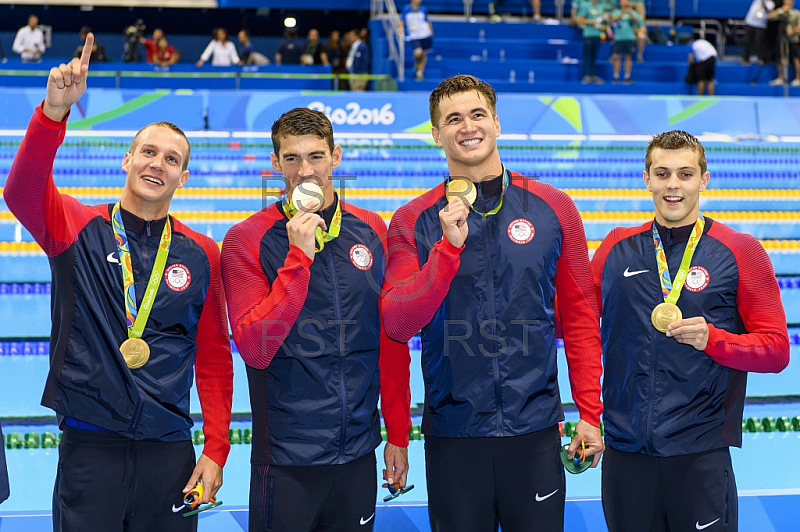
<point x="353" y="114"/>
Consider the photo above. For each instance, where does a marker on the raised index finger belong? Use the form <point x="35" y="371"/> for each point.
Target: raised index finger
<point x="86" y="54"/>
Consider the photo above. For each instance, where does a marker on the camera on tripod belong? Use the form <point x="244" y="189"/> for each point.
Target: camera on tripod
<point x="133" y="34"/>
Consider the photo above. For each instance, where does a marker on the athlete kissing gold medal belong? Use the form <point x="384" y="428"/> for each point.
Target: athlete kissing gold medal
<point x="307" y="196"/>
<point x="304" y="197"/>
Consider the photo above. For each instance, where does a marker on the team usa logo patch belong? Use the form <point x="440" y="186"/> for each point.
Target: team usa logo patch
<point x="697" y="279"/>
<point x="178" y="277"/>
<point x="361" y="257"/>
<point x="521" y="231"/>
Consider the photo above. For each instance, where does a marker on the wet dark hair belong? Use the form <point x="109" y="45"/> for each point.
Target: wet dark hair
<point x="458" y="84"/>
<point x="301" y="121"/>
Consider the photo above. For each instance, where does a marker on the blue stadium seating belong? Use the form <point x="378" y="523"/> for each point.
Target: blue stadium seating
<point x="527" y="57"/>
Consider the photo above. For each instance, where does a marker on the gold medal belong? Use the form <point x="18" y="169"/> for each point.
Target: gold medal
<point x="664" y="315"/>
<point x="462" y="188"/>
<point x="136" y="352"/>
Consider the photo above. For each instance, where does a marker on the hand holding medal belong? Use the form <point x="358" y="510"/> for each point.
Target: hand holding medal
<point x="460" y="194"/>
<point x="306" y="229"/>
<point x="462" y="188"/>
<point x="690" y="331"/>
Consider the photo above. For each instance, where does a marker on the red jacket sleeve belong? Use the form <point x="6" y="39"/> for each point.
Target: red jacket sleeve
<point x="577" y="308"/>
<point x="395" y="377"/>
<point x="412" y="296"/>
<point x="261" y="315"/>
<point x="213" y="365"/>
<point x="53" y="219"/>
<point x="765" y="347"/>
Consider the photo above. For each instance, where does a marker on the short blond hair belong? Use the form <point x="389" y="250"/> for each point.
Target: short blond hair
<point x="171" y="127"/>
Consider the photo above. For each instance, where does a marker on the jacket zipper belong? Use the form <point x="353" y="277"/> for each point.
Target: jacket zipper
<point x="652" y="394"/>
<point x="342" y="392"/>
<point x="495" y="358"/>
<point x="145" y="257"/>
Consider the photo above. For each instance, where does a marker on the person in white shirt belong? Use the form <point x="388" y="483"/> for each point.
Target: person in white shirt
<point x="416" y="25"/>
<point x="221" y="51"/>
<point x="755" y="31"/>
<point x="788" y="42"/>
<point x="29" y="42"/>
<point x="703" y="59"/>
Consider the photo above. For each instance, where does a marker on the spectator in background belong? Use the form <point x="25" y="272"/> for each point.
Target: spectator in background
<point x="641" y="33"/>
<point x="221" y="51"/>
<point x="289" y="50"/>
<point x="788" y="41"/>
<point x="363" y="34"/>
<point x="337" y="54"/>
<point x="357" y="60"/>
<point x="98" y="52"/>
<point x="573" y="13"/>
<point x="590" y="17"/>
<point x="333" y="49"/>
<point x="494" y="7"/>
<point x="3" y="58"/>
<point x="151" y="45"/>
<point x="248" y="55"/>
<point x="314" y="52"/>
<point x="626" y="23"/>
<point x="29" y="42"/>
<point x="417" y="27"/>
<point x="166" y="54"/>
<point x="703" y="60"/>
<point x="755" y="31"/>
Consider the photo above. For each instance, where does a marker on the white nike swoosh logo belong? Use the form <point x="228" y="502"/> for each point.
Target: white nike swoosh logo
<point x="110" y="258"/>
<point x="628" y="273"/>
<point x="698" y="526"/>
<point x="176" y="509"/>
<point x="540" y="499"/>
<point x="367" y="520"/>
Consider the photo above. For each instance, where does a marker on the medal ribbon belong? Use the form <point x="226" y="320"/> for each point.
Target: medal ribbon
<point x="672" y="291"/>
<point x="137" y="318"/>
<point x="502" y="194"/>
<point x="321" y="236"/>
